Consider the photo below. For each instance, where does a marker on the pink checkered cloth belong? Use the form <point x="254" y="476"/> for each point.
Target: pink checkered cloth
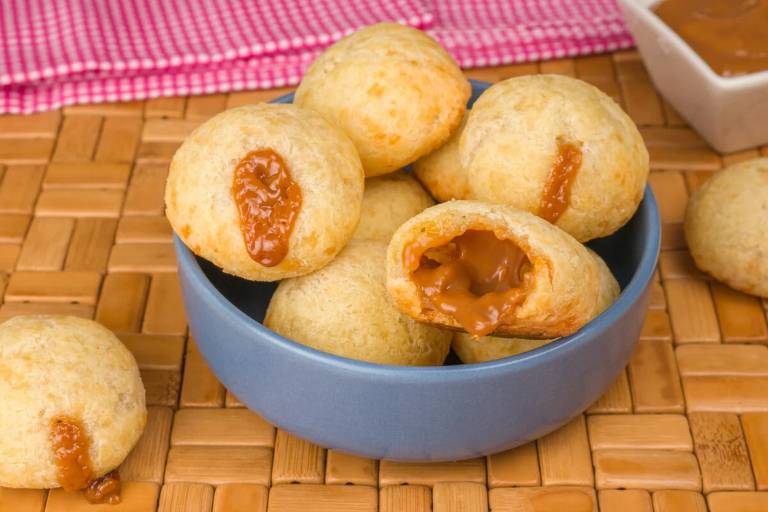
<point x="62" y="52"/>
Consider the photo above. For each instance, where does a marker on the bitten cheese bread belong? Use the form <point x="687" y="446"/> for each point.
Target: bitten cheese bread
<point x="393" y="89"/>
<point x="344" y="309"/>
<point x="559" y="148"/>
<point x="265" y="191"/>
<point x="73" y="405"/>
<point x="726" y="226"/>
<point x="490" y="269"/>
<point x="472" y="349"/>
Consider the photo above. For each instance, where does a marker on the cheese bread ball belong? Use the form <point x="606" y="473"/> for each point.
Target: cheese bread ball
<point x="441" y="171"/>
<point x="488" y="348"/>
<point x="355" y="317"/>
<point x="726" y="226"/>
<point x="265" y="191"/>
<point x="394" y="90"/>
<point x="388" y="201"/>
<point x="59" y="371"/>
<point x="559" y="148"/>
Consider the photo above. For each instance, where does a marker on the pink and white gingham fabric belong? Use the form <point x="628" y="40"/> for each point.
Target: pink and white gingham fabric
<point x="62" y="52"/>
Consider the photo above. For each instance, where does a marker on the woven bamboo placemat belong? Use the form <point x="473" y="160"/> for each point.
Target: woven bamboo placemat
<point x="82" y="232"/>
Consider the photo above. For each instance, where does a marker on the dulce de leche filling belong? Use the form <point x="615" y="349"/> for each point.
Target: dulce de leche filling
<point x="70" y="451"/>
<point x="105" y="489"/>
<point x="556" y="196"/>
<point x="730" y="35"/>
<point x="475" y="278"/>
<point x="268" y="202"/>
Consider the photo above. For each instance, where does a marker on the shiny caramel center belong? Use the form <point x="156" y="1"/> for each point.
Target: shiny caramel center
<point x="475" y="278"/>
<point x="556" y="196"/>
<point x="268" y="202"/>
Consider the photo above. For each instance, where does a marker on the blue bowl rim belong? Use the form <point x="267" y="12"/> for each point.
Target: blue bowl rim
<point x="541" y="355"/>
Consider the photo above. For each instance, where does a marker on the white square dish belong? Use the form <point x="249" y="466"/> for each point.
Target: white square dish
<point x="730" y="112"/>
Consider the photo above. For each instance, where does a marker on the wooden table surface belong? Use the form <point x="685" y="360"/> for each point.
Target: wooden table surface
<point x="82" y="232"/>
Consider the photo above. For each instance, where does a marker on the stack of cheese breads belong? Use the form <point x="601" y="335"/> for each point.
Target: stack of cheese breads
<point x="334" y="196"/>
<point x="314" y="194"/>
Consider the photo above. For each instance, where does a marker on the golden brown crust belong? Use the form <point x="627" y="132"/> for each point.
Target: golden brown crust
<point x="510" y="143"/>
<point x="321" y="160"/>
<point x="472" y="350"/>
<point x="355" y="317"/>
<point x="564" y="284"/>
<point x="726" y="226"/>
<point x="53" y="366"/>
<point x="389" y="201"/>
<point x="609" y="287"/>
<point x="441" y="171"/>
<point x="396" y="92"/>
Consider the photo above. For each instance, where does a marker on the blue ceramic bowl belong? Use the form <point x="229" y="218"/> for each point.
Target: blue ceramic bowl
<point x="414" y="413"/>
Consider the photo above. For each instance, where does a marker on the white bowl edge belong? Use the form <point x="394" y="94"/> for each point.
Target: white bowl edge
<point x="730" y="112"/>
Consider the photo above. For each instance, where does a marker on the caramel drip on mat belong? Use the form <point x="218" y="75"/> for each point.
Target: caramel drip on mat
<point x="475" y="278"/>
<point x="556" y="196"/>
<point x="70" y="451"/>
<point x="268" y="202"/>
<point x="105" y="489"/>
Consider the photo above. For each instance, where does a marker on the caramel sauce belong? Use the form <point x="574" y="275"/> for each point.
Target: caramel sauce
<point x="70" y="450"/>
<point x="268" y="202"/>
<point x="730" y="35"/>
<point x="105" y="489"/>
<point x="475" y="278"/>
<point x="557" y="189"/>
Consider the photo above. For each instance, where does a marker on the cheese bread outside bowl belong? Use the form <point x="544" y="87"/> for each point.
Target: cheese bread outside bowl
<point x="265" y="191"/>
<point x="490" y="269"/>
<point x="488" y="348"/>
<point x="726" y="226"/>
<point x="73" y="404"/>
<point x="393" y="89"/>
